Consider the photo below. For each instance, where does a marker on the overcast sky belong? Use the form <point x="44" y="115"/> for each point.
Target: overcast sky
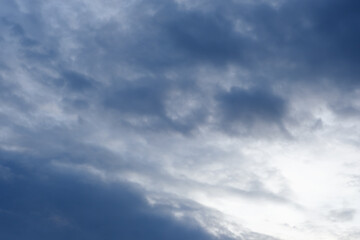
<point x="180" y="119"/>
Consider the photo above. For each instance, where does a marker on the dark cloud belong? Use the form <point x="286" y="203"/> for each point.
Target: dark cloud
<point x="75" y="81"/>
<point x="146" y="99"/>
<point x="73" y="75"/>
<point x="33" y="43"/>
<point x="288" y="42"/>
<point x="140" y="100"/>
<point x="296" y="39"/>
<point x="318" y="40"/>
<point x="171" y="37"/>
<point x="17" y="31"/>
<point x="250" y="106"/>
<point x="43" y="203"/>
<point x="205" y="37"/>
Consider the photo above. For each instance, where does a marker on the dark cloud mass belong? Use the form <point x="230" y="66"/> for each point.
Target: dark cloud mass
<point x="43" y="203"/>
<point x="249" y="106"/>
<point x="141" y="100"/>
<point x="206" y="37"/>
<point x="108" y="106"/>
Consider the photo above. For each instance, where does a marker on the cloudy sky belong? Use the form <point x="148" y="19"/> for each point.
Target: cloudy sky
<point x="180" y="119"/>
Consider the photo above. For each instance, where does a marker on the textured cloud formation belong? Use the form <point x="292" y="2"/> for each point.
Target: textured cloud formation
<point x="39" y="203"/>
<point x="179" y="119"/>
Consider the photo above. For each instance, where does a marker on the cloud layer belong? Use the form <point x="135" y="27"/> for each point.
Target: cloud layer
<point x="179" y="119"/>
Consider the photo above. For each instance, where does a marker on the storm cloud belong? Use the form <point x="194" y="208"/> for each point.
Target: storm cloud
<point x="179" y="119"/>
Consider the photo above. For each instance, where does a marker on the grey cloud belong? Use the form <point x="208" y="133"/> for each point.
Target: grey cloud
<point x="248" y="107"/>
<point x="10" y="96"/>
<point x="257" y="236"/>
<point x="70" y="206"/>
<point x="142" y="100"/>
<point x="206" y="37"/>
<point x="17" y="31"/>
<point x="342" y="215"/>
<point x="311" y="36"/>
<point x="33" y="43"/>
<point x="75" y="81"/>
<point x="116" y="76"/>
<point x="146" y="98"/>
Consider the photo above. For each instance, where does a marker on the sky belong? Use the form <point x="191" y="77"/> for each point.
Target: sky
<point x="180" y="119"/>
